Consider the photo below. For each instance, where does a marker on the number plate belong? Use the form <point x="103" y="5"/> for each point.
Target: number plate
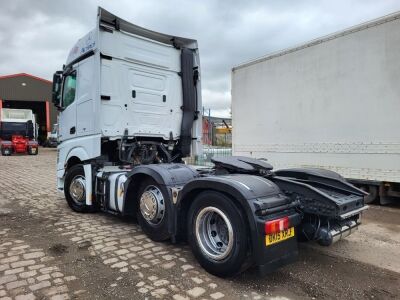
<point x="280" y="236"/>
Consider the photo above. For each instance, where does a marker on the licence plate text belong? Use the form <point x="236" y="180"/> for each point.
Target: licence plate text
<point x="280" y="236"/>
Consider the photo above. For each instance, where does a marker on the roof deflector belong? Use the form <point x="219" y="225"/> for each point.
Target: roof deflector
<point x="108" y="19"/>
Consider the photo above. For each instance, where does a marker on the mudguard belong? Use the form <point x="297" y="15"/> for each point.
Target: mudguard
<point x="5" y="144"/>
<point x="165" y="174"/>
<point x="253" y="194"/>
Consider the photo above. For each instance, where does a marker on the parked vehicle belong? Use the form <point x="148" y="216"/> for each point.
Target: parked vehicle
<point x="331" y="103"/>
<point x="18" y="132"/>
<point x="129" y="101"/>
<point x="52" y="138"/>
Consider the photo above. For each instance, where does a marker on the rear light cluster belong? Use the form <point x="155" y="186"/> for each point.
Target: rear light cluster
<point x="276" y="225"/>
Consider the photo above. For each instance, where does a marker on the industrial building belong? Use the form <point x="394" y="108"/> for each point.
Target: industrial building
<point x="25" y="91"/>
<point x="217" y="131"/>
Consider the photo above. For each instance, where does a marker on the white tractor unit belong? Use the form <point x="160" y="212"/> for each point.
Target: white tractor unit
<point x="129" y="102"/>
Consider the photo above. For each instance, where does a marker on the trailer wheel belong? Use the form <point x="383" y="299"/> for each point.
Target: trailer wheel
<point x="217" y="234"/>
<point x="152" y="212"/>
<point x="75" y="189"/>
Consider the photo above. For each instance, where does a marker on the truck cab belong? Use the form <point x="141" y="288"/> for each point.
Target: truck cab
<point x="125" y="83"/>
<point x="18" y="131"/>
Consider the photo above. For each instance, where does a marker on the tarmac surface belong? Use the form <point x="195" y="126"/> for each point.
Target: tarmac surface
<point x="49" y="252"/>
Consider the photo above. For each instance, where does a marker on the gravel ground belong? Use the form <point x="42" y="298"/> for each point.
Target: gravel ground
<point x="49" y="252"/>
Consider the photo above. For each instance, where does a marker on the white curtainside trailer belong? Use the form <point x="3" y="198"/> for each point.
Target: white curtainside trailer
<point x="332" y="103"/>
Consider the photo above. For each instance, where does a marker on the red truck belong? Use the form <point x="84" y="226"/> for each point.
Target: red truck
<point x="18" y="132"/>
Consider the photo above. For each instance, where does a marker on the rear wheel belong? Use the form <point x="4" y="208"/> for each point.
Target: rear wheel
<point x="217" y="234"/>
<point x="75" y="188"/>
<point x="152" y="212"/>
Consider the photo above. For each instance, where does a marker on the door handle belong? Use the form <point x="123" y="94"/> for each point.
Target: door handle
<point x="72" y="130"/>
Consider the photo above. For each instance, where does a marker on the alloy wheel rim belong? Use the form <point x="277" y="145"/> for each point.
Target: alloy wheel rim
<point x="214" y="233"/>
<point x="77" y="189"/>
<point x="152" y="205"/>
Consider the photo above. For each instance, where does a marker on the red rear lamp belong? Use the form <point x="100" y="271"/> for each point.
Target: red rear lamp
<point x="276" y="225"/>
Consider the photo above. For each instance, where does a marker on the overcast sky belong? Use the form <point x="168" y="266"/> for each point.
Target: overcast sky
<point x="36" y="36"/>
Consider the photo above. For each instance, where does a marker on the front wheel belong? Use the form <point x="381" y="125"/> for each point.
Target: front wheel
<point x="33" y="151"/>
<point x="75" y="188"/>
<point x="6" y="151"/>
<point x="217" y="234"/>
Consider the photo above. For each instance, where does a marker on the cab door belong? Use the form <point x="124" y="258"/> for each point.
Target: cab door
<point x="67" y="117"/>
<point x="84" y="97"/>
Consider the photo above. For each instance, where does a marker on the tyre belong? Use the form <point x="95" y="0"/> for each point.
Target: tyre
<point x="217" y="234"/>
<point x="6" y="151"/>
<point x="33" y="151"/>
<point x="75" y="189"/>
<point x="152" y="213"/>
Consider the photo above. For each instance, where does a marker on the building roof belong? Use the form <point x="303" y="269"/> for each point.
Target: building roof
<point x="25" y="75"/>
<point x="24" y="87"/>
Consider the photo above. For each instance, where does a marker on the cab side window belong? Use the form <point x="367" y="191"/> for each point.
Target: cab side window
<point x="69" y="89"/>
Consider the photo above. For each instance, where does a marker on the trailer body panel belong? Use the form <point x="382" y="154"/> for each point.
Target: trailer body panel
<point x="332" y="103"/>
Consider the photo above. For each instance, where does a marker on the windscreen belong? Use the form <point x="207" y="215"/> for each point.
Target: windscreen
<point x="8" y="129"/>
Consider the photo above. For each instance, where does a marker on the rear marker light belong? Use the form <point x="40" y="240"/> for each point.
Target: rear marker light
<point x="276" y="225"/>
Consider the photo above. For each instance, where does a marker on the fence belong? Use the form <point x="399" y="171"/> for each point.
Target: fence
<point x="208" y="153"/>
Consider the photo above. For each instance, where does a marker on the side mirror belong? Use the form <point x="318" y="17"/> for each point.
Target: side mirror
<point x="56" y="90"/>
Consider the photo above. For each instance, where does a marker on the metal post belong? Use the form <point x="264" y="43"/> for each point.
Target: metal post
<point x="209" y="127"/>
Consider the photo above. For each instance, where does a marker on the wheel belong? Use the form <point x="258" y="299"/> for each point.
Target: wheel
<point x="153" y="209"/>
<point x="6" y="151"/>
<point x="217" y="234"/>
<point x="75" y="188"/>
<point x="33" y="151"/>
